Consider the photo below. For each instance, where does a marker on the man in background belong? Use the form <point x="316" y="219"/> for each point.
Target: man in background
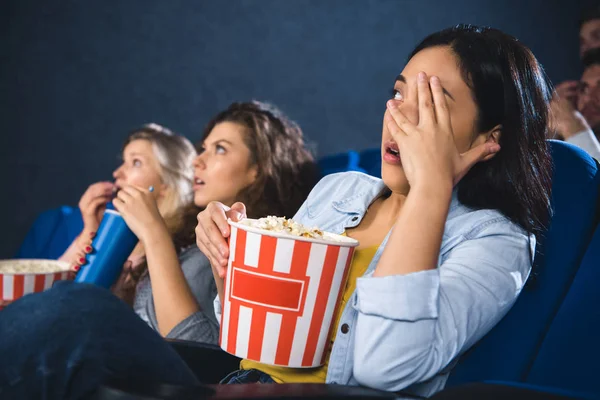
<point x="576" y="104"/>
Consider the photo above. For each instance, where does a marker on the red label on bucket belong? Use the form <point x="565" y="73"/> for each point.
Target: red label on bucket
<point x="267" y="290"/>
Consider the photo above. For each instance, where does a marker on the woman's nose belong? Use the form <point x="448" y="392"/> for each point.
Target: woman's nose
<point x="118" y="172"/>
<point x="199" y="161"/>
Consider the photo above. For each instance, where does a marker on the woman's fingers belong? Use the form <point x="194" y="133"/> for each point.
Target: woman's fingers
<point x="237" y="212"/>
<point x="84" y="243"/>
<point x="133" y="190"/>
<point x="87" y="236"/>
<point x="476" y="154"/>
<point x="218" y="217"/>
<point x="208" y="249"/>
<point x="426" y="108"/>
<point x="126" y="193"/>
<point x="442" y="114"/>
<point x="100" y="189"/>
<point x="96" y="203"/>
<point x="216" y="240"/>
<point x="212" y="230"/>
<point x="122" y="198"/>
<point x="397" y="123"/>
<point x="219" y="261"/>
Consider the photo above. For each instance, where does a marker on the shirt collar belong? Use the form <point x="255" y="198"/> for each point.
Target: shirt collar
<point x="359" y="201"/>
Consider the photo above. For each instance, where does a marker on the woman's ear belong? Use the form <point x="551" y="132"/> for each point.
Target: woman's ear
<point x="491" y="136"/>
<point x="494" y="134"/>
<point x="252" y="174"/>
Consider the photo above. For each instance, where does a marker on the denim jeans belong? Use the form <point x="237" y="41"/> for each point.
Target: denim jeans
<point x="247" y="376"/>
<point x="63" y="343"/>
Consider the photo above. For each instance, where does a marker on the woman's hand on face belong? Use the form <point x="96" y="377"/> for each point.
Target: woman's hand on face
<point x="427" y="150"/>
<point x="213" y="229"/>
<point x="93" y="203"/>
<point x="138" y="208"/>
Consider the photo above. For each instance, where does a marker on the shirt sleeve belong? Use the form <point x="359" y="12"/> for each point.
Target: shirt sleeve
<point x="199" y="277"/>
<point x="197" y="328"/>
<point x="587" y="141"/>
<point x="410" y="327"/>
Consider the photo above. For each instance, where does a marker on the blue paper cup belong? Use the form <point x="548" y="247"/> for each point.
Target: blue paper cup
<point x="112" y="245"/>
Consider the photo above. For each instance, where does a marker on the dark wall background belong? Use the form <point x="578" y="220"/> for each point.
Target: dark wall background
<point x="76" y="76"/>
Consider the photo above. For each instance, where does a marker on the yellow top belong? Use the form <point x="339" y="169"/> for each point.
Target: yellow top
<point x="360" y="263"/>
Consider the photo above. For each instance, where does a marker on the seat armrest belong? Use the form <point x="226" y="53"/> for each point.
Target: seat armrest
<point x="293" y="391"/>
<point x="209" y="362"/>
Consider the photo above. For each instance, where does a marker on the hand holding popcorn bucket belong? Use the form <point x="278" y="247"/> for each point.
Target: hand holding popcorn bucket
<point x="281" y="294"/>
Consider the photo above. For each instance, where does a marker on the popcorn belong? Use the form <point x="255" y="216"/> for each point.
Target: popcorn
<point x="32" y="266"/>
<point x="21" y="277"/>
<point x="285" y="225"/>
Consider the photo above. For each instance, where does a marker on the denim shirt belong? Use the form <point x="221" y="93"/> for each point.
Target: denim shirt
<point x="406" y="330"/>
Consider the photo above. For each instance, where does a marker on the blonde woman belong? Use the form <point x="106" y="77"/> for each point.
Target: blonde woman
<point x="152" y="157"/>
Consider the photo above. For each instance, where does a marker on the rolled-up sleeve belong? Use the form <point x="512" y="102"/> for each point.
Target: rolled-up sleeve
<point x="393" y="297"/>
<point x="410" y="327"/>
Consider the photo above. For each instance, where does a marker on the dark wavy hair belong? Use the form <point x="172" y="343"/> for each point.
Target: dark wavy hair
<point x="287" y="171"/>
<point x="510" y="89"/>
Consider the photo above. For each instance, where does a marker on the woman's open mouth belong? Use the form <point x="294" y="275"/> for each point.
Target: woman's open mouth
<point x="392" y="154"/>
<point x="198" y="183"/>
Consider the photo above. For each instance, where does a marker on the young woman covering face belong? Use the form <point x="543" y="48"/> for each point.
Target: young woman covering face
<point x="447" y="236"/>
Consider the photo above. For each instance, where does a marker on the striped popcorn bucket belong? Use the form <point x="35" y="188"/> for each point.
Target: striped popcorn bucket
<point x="281" y="294"/>
<point x="19" y="277"/>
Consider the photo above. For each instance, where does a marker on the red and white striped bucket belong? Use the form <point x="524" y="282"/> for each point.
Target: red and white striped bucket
<point x="281" y="294"/>
<point x="14" y="285"/>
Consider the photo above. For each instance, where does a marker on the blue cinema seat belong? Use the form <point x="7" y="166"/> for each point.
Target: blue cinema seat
<point x="566" y="361"/>
<point x="347" y="161"/>
<point x="370" y="161"/>
<point x="569" y="355"/>
<point x="51" y="233"/>
<point x="508" y="352"/>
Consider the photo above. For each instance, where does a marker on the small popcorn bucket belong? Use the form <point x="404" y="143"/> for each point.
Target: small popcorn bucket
<point x="21" y="277"/>
<point x="281" y="295"/>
